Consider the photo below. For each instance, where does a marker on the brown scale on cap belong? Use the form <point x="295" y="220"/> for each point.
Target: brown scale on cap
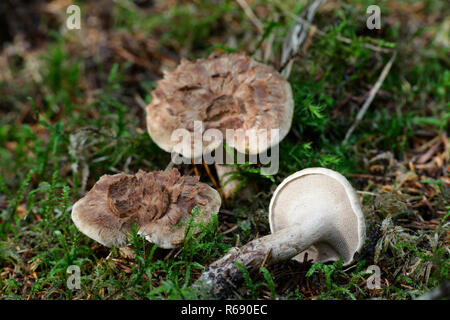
<point x="156" y="202"/>
<point x="229" y="91"/>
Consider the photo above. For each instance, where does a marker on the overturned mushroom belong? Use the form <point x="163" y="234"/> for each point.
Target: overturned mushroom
<point x="157" y="203"/>
<point x="314" y="211"/>
<point x="239" y="99"/>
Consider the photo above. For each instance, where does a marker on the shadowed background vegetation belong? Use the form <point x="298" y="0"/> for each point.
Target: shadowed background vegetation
<point x="72" y="108"/>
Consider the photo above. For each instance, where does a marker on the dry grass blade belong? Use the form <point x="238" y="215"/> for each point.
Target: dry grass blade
<point x="372" y="94"/>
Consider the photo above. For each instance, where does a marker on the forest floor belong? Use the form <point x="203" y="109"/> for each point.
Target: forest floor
<point x="72" y="108"/>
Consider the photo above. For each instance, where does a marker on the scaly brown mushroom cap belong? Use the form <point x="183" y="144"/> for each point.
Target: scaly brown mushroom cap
<point x="230" y="91"/>
<point x="156" y="202"/>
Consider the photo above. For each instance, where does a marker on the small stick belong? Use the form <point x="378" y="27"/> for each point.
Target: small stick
<point x="308" y="42"/>
<point x="169" y="165"/>
<point x="251" y="15"/>
<point x="367" y="193"/>
<point x="230" y="230"/>
<point x="427" y="155"/>
<point x="372" y="95"/>
<point x="140" y="101"/>
<point x="238" y="239"/>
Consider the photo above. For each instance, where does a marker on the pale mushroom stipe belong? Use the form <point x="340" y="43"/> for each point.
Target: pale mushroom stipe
<point x="158" y="203"/>
<point x="314" y="211"/>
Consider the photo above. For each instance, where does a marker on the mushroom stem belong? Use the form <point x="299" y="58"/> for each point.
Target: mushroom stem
<point x="228" y="186"/>
<point x="224" y="276"/>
